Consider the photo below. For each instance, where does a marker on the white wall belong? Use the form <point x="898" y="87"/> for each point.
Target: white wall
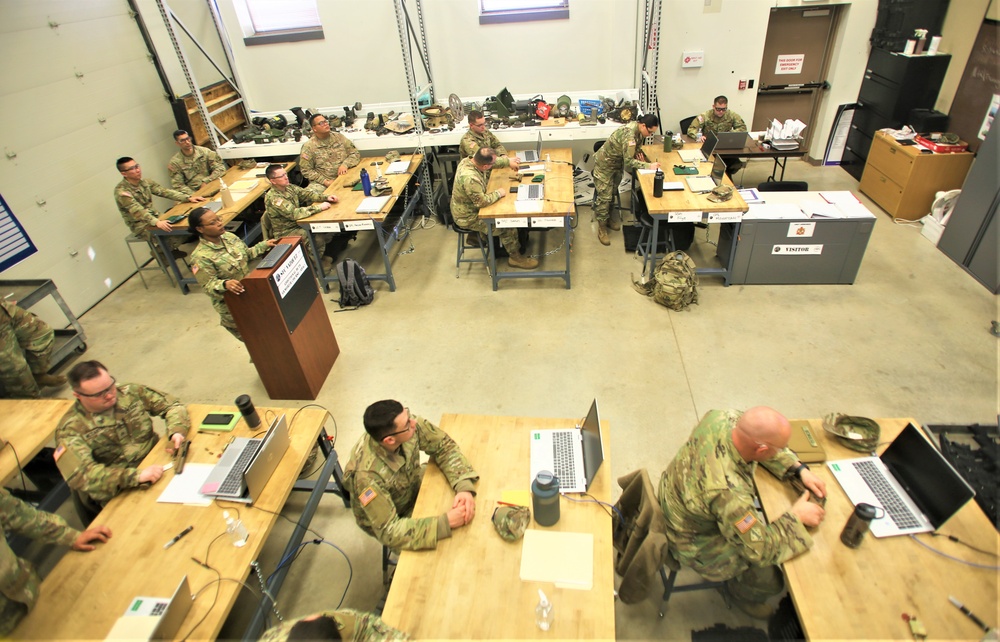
<point x="65" y="132"/>
<point x="196" y="17"/>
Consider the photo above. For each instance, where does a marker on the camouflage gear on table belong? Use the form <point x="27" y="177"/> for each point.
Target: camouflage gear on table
<point x="709" y="122"/>
<point x="384" y="486"/>
<point x="352" y="625"/>
<point x="319" y="160"/>
<point x="188" y="173"/>
<point x="510" y="521"/>
<point x="469" y="195"/>
<point x="103" y="450"/>
<point x="19" y="583"/>
<point x="213" y="265"/>
<point x="615" y="156"/>
<point x="473" y="142"/>
<point x="135" y="204"/>
<point x="284" y="207"/>
<point x="706" y="494"/>
<point x="25" y="349"/>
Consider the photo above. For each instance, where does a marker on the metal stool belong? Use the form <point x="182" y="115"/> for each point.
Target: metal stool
<point x="459" y="260"/>
<point x="161" y="262"/>
<point x="647" y="247"/>
<point x="669" y="588"/>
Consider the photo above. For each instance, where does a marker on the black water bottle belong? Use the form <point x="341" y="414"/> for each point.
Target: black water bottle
<point x="658" y="183"/>
<point x="248" y="411"/>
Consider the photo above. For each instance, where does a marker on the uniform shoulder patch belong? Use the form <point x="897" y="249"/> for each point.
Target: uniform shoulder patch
<point x="631" y="143"/>
<point x="125" y="194"/>
<point x="701" y="118"/>
<point x="367" y="495"/>
<point x="194" y="268"/>
<point x="58" y="452"/>
<point x="746" y="522"/>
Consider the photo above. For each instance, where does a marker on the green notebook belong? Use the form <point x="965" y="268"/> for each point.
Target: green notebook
<point x="684" y="169"/>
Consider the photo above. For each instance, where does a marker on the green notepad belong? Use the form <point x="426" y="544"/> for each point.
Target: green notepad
<point x="221" y="427"/>
<point x="685" y="170"/>
<point x="176" y="218"/>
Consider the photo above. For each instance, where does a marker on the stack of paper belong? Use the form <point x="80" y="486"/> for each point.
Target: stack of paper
<point x="567" y="559"/>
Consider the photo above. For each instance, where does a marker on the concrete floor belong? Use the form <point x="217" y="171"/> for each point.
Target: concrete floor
<point x="910" y="338"/>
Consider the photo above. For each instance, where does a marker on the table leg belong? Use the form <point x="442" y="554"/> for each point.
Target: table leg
<point x="317" y="259"/>
<point x="567" y="246"/>
<point x="383" y="244"/>
<point x="492" y="252"/>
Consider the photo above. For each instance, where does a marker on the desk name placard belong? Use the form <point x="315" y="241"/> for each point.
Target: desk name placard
<point x="324" y="227"/>
<point x="789" y="250"/>
<point x="359" y="225"/>
<point x="514" y="221"/>
<point x="684" y="217"/>
<point x="725" y="217"/>
<point x="547" y="221"/>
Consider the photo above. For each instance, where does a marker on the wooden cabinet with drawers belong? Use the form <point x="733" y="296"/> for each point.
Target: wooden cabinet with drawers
<point x="903" y="181"/>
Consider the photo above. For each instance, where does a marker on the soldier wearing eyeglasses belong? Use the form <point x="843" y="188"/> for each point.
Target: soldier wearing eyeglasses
<point x="105" y="435"/>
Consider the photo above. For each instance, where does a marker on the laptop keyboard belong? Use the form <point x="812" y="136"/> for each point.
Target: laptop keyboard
<point x="159" y="609"/>
<point x="234" y="480"/>
<point x="564" y="462"/>
<point x="886" y="494"/>
<point x="534" y="191"/>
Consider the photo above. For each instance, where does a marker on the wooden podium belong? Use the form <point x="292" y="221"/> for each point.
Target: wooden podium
<point x="285" y="326"/>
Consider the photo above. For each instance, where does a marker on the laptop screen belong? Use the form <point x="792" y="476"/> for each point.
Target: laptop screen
<point x="593" y="447"/>
<point x="930" y="481"/>
<point x="711" y="140"/>
<point x="718" y="170"/>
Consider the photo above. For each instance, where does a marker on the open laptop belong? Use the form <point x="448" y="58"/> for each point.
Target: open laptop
<point x="243" y="471"/>
<point x="731" y="140"/>
<point x="702" y="184"/>
<point x="912" y="481"/>
<point x="573" y="454"/>
<point x="703" y="154"/>
<point x="531" y="155"/>
<point x="154" y="618"/>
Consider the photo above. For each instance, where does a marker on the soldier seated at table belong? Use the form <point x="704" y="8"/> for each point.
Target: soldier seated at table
<point x="105" y="435"/>
<point x="134" y="198"/>
<point x="718" y="119"/>
<point x="384" y="474"/>
<point x="326" y="155"/>
<point x="193" y="166"/>
<point x="26" y="344"/>
<point x="285" y="204"/>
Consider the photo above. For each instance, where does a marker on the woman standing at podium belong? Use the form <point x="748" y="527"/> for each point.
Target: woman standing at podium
<point x="220" y="261"/>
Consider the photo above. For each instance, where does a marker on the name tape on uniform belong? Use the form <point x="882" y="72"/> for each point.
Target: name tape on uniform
<point x="790" y="250"/>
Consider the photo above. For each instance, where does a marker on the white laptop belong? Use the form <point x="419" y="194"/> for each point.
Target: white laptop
<point x="702" y="184"/>
<point x="704" y="153"/>
<point x="911" y="481"/>
<point x="531" y="155"/>
<point x="247" y="465"/>
<point x="573" y="454"/>
<point x="154" y="618"/>
<point x="372" y="204"/>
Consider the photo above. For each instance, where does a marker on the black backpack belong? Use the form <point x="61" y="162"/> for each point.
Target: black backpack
<point x="355" y="290"/>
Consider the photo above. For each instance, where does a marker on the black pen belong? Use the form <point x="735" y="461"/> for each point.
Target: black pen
<point x="179" y="536"/>
<point x="972" y="616"/>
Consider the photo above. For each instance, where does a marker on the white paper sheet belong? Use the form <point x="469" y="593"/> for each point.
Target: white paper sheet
<point x="183" y="488"/>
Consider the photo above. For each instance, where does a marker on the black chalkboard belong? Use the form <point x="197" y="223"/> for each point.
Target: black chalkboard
<point x="979" y="83"/>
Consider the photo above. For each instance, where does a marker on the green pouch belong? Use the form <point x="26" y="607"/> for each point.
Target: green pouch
<point x="684" y="169"/>
<point x="357" y="187"/>
<point x="176" y="218"/>
<point x="538" y="179"/>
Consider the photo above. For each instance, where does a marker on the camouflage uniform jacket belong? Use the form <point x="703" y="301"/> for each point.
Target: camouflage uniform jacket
<point x="107" y="447"/>
<point x="188" y="173"/>
<point x="319" y="160"/>
<point x="18" y="580"/>
<point x="353" y="625"/>
<point x="709" y="122"/>
<point x="472" y="142"/>
<point x="384" y="486"/>
<point x="135" y="203"/>
<point x="284" y="207"/>
<point x="213" y="264"/>
<point x="469" y="194"/>
<point x="707" y="498"/>
<point x="619" y="150"/>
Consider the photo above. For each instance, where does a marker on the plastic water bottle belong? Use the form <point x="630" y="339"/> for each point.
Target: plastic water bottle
<point x="366" y="182"/>
<point x="543" y="612"/>
<point x="548" y="163"/>
<point x="237" y="531"/>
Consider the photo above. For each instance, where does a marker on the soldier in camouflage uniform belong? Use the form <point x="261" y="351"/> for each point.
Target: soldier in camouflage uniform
<point x="478" y="137"/>
<point x="107" y="433"/>
<point x="25" y="350"/>
<point x="326" y="155"/>
<point x="707" y="499"/>
<point x="220" y="261"/>
<point x="715" y="120"/>
<point x="193" y="166"/>
<point x="345" y="624"/>
<point x="384" y="473"/>
<point x="19" y="583"/>
<point x="134" y="198"/>
<point x="621" y="152"/>
<point x="469" y="195"/>
<point x="284" y="204"/>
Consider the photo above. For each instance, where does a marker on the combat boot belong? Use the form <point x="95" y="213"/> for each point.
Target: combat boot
<point x="49" y="381"/>
<point x="472" y="239"/>
<point x="613" y="224"/>
<point x="602" y="233"/>
<point x="756" y="610"/>
<point x="518" y="260"/>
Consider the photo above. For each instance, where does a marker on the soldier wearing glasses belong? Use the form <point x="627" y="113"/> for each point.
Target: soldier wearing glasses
<point x="107" y="433"/>
<point x="384" y="473"/>
<point x="718" y="119"/>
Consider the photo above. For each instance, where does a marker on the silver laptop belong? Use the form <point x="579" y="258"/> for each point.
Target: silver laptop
<point x="704" y="153"/>
<point x="573" y="454"/>
<point x="702" y="184"/>
<point x="911" y="481"/>
<point x="531" y="155"/>
<point x="154" y="618"/>
<point x="531" y="192"/>
<point x="731" y="140"/>
<point x="247" y="464"/>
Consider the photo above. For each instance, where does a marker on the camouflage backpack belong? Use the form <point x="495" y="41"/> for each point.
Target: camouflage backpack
<point x="674" y="283"/>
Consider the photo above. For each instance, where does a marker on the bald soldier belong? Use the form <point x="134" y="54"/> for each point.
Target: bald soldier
<point x="384" y="473"/>
<point x="707" y="497"/>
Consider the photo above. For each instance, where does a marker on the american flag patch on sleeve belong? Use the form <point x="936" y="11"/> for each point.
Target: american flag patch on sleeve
<point x="58" y="452"/>
<point x="367" y="495"/>
<point x="746" y="523"/>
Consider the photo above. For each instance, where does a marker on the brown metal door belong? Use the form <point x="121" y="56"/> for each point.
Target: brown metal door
<point x="794" y="66"/>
